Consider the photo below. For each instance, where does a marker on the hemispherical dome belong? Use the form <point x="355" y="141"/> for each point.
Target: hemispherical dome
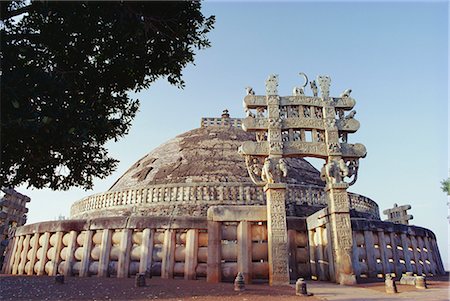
<point x="206" y="154"/>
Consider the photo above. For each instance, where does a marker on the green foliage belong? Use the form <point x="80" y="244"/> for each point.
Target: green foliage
<point x="66" y="71"/>
<point x="446" y="186"/>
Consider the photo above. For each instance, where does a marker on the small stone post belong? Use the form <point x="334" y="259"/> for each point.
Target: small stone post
<point x="239" y="284"/>
<point x="59" y="279"/>
<point x="389" y="284"/>
<point x="139" y="280"/>
<point x="421" y="282"/>
<point x="300" y="288"/>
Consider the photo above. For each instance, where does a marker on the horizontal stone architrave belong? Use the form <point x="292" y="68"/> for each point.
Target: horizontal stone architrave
<point x="360" y="224"/>
<point x="237" y="213"/>
<point x="134" y="222"/>
<point x="185" y="194"/>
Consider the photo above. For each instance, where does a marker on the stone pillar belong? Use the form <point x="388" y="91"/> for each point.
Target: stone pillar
<point x="105" y="250"/>
<point x="56" y="260"/>
<point x="341" y="232"/>
<point x="145" y="263"/>
<point x="370" y="251"/>
<point x="312" y="253"/>
<point x="168" y="253"/>
<point x="190" y="261"/>
<point x="123" y="264"/>
<point x="406" y="254"/>
<point x="87" y="247"/>
<point x="70" y="253"/>
<point x="244" y="258"/>
<point x="10" y="255"/>
<point x="292" y="250"/>
<point x="214" y="273"/>
<point x="383" y="252"/>
<point x="277" y="234"/>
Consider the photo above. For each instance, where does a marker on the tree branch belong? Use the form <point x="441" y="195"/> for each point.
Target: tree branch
<point x="17" y="12"/>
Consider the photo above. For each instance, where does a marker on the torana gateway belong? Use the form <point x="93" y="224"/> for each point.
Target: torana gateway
<point x="219" y="200"/>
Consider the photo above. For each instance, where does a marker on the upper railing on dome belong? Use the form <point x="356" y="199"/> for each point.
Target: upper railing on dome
<point x="224" y="120"/>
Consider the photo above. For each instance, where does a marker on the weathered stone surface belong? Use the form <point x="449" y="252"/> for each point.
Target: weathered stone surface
<point x="207" y="154"/>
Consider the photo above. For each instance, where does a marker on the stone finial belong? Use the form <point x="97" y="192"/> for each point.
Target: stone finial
<point x="139" y="281"/>
<point x="239" y="284"/>
<point x="324" y="83"/>
<point x="300" y="288"/>
<point x="389" y="284"/>
<point x="225" y="114"/>
<point x="398" y="214"/>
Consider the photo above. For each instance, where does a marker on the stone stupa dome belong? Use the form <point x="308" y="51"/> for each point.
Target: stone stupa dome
<point x="206" y="154"/>
<point x="202" y="168"/>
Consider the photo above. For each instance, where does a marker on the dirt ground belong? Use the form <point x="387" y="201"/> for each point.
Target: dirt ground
<point x="92" y="288"/>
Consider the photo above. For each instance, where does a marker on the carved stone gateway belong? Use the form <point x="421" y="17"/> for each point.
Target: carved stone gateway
<point x="303" y="126"/>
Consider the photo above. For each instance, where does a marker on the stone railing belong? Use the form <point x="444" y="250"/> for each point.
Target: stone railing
<point x="156" y="198"/>
<point x="211" y="121"/>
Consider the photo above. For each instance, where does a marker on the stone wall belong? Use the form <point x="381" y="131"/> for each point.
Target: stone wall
<point x="215" y="248"/>
<point x="194" y="199"/>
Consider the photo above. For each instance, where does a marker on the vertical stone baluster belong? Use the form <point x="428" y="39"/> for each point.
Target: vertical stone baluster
<point x="168" y="251"/>
<point x="9" y="262"/>
<point x="329" y="251"/>
<point x="43" y="260"/>
<point x="145" y="263"/>
<point x="292" y="252"/>
<point x="17" y="255"/>
<point x="397" y="264"/>
<point x="86" y="258"/>
<point x="405" y="246"/>
<point x="416" y="255"/>
<point x="244" y="258"/>
<point x="214" y="272"/>
<point x="70" y="253"/>
<point x="371" y="260"/>
<point x="439" y="265"/>
<point x="383" y="252"/>
<point x="355" y="256"/>
<point x="320" y="254"/>
<point x="190" y="261"/>
<point x="105" y="250"/>
<point x="123" y="264"/>
<point x="23" y="254"/>
<point x="34" y="248"/>
<point x="423" y="255"/>
<point x="430" y="256"/>
<point x="57" y="255"/>
<point x="312" y="252"/>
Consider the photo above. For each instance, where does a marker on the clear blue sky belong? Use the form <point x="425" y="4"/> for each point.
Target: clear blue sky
<point x="393" y="55"/>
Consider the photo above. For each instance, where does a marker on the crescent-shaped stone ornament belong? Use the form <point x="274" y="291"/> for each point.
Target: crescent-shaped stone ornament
<point x="305" y="77"/>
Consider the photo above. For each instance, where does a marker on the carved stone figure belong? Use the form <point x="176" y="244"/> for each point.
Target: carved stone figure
<point x="261" y="136"/>
<point x="350" y="115"/>
<point x="266" y="174"/>
<point x="272" y="85"/>
<point x="293" y="111"/>
<point x="283" y="167"/>
<point x="297" y="91"/>
<point x="353" y="166"/>
<point x="249" y="113"/>
<point x="250" y="91"/>
<point x="314" y="87"/>
<point x="334" y="171"/>
<point x="260" y="112"/>
<point x="346" y="93"/>
<point x="324" y="83"/>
